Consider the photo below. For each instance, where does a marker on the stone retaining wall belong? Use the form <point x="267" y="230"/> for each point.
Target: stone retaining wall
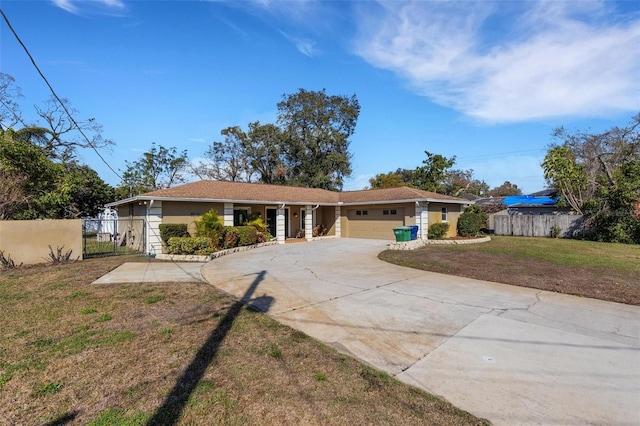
<point x="414" y="244"/>
<point x="215" y="255"/>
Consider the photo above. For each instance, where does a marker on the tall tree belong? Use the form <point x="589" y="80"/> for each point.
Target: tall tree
<point x="597" y="175"/>
<point x="506" y="189"/>
<point x="10" y="114"/>
<point x="317" y="128"/>
<point x="460" y="182"/>
<point x="157" y="168"/>
<point x="432" y="175"/>
<point x="265" y="150"/>
<point x="34" y="186"/>
<point x="227" y="160"/>
<point x="387" y="180"/>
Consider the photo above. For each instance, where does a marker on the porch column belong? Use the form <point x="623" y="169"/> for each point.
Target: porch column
<point x="337" y="222"/>
<point x="280" y="224"/>
<point x="228" y="214"/>
<point x="154" y="219"/>
<point x="308" y="222"/>
<point x="422" y="220"/>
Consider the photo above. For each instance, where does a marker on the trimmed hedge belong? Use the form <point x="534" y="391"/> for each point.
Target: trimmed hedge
<point x="169" y="230"/>
<point x="201" y="246"/>
<point x="438" y="231"/>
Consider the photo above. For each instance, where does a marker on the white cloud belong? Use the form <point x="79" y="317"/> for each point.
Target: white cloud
<point x="502" y="65"/>
<point x="305" y="46"/>
<point x="74" y="6"/>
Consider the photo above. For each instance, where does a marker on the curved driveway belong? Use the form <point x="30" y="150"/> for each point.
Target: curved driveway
<point x="509" y="354"/>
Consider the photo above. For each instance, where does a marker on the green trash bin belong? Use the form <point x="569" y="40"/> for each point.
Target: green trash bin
<point x="403" y="233"/>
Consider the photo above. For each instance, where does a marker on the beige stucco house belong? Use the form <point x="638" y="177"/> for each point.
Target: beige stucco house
<point x="293" y="211"/>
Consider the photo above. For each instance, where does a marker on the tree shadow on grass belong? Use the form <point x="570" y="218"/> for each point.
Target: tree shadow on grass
<point x="176" y="400"/>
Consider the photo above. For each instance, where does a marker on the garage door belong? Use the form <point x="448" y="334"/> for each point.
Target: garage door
<point x="375" y="223"/>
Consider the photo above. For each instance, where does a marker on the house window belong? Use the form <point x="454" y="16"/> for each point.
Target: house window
<point x="240" y="216"/>
<point x="443" y="214"/>
<point x="389" y="212"/>
<point x="362" y="212"/>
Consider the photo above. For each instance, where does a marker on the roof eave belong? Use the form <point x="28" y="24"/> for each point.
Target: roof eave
<point x="217" y="200"/>
<point x="409" y="200"/>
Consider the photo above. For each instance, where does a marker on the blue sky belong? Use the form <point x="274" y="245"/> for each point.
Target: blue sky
<point x="485" y="81"/>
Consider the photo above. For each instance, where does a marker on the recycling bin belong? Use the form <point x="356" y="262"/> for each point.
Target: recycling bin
<point x="403" y="233"/>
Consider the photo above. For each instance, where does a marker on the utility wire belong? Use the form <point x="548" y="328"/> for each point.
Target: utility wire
<point x="55" y="95"/>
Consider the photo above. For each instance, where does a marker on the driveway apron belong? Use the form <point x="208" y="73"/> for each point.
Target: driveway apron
<point x="509" y="354"/>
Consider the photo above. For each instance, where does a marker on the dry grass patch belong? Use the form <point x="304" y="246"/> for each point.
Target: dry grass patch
<point x="603" y="271"/>
<point x="132" y="354"/>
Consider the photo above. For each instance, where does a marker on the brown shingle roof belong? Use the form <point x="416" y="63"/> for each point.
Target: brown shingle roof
<point x="403" y="193"/>
<point x="241" y="191"/>
<point x="212" y="190"/>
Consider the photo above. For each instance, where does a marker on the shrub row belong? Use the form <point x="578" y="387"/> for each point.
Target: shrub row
<point x="201" y="246"/>
<point x="169" y="230"/>
<point x="230" y="237"/>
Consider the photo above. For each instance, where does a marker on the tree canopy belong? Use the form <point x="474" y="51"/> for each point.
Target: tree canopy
<point x="157" y="168"/>
<point x="308" y="145"/>
<point x="36" y="187"/>
<point x="435" y="175"/>
<point x="599" y="176"/>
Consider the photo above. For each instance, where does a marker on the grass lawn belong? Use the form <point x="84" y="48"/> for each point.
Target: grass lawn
<point x="584" y="268"/>
<point x="175" y="353"/>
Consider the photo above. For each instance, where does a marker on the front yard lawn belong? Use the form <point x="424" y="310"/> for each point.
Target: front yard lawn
<point x="583" y="268"/>
<point x="175" y="353"/>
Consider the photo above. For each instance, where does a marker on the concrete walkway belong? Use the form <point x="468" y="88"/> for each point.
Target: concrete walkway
<point x="508" y="354"/>
<point x="149" y="272"/>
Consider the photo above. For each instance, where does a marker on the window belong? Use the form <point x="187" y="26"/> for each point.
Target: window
<point x="389" y="212"/>
<point x="240" y="216"/>
<point x="443" y="215"/>
<point x="362" y="212"/>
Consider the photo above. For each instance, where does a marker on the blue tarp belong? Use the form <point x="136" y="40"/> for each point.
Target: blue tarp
<point x="528" y="200"/>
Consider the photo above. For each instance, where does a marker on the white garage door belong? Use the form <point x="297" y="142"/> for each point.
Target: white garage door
<point x="375" y="223"/>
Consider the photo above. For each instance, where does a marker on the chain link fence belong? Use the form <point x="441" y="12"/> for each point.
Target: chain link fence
<point x="103" y="237"/>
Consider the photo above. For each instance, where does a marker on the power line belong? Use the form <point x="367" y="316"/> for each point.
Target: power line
<point x="55" y="95"/>
<point x="500" y="154"/>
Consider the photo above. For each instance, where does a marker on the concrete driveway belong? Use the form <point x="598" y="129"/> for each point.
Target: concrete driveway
<point x="508" y="354"/>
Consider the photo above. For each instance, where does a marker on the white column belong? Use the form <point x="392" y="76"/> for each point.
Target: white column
<point x="308" y="222"/>
<point x="337" y="221"/>
<point x="228" y="214"/>
<point x="154" y="219"/>
<point x="422" y="220"/>
<point x="280" y="224"/>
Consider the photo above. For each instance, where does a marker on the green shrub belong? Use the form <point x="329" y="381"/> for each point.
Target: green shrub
<point x="210" y="226"/>
<point x="471" y="221"/>
<point x="437" y="231"/>
<point x="238" y="236"/>
<point x="168" y="230"/>
<point x="248" y="235"/>
<point x="230" y="238"/>
<point x="257" y="222"/>
<point x="201" y="246"/>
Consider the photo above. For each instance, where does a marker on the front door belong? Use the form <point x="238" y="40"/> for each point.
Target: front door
<point x="272" y="215"/>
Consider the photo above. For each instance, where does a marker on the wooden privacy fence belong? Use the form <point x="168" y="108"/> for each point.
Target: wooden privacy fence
<point x="539" y="225"/>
